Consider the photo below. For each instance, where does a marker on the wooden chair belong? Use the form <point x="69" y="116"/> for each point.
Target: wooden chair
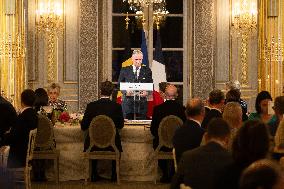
<point x="175" y="159"/>
<point x="4" y="152"/>
<point x="23" y="174"/>
<point x="167" y="128"/>
<point x="102" y="133"/>
<point x="45" y="144"/>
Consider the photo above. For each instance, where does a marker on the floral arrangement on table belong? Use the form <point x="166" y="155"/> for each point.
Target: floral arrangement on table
<point x="62" y="118"/>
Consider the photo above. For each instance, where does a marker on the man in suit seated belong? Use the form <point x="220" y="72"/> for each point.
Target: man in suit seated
<point x="202" y="167"/>
<point x="8" y="117"/>
<point x="217" y="103"/>
<point x="18" y="137"/>
<point x="103" y="106"/>
<point x="189" y="136"/>
<point x="169" y="107"/>
<point x="135" y="73"/>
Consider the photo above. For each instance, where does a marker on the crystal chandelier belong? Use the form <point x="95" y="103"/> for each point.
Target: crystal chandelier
<point x="136" y="4"/>
<point x="159" y="10"/>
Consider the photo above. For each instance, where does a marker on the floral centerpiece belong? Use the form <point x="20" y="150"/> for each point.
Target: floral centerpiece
<point x="63" y="118"/>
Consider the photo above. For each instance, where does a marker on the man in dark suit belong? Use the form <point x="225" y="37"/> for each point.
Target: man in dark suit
<point x="103" y="106"/>
<point x="8" y="117"/>
<point x="189" y="136"/>
<point x="201" y="168"/>
<point x="18" y="138"/>
<point x="217" y="104"/>
<point x="169" y="107"/>
<point x="135" y="73"/>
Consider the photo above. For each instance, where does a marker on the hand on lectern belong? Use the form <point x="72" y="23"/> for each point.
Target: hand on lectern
<point x="143" y="93"/>
<point x="129" y="93"/>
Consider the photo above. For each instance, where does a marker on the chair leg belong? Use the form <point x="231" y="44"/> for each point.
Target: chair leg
<point x="155" y="170"/>
<point x="118" y="170"/>
<point x="90" y="171"/>
<point x="56" y="170"/>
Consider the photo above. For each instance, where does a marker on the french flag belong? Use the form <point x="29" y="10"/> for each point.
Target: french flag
<point x="158" y="65"/>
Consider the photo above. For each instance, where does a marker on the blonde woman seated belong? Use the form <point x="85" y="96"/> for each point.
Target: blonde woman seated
<point x="53" y="93"/>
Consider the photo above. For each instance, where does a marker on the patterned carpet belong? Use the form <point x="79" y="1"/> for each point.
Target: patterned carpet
<point x="100" y="185"/>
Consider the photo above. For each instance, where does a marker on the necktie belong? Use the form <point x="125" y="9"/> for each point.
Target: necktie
<point x="136" y="73"/>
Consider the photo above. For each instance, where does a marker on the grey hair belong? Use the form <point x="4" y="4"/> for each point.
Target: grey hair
<point x="137" y="51"/>
<point x="234" y="84"/>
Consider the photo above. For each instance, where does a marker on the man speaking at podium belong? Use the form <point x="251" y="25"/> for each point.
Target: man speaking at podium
<point x="134" y="104"/>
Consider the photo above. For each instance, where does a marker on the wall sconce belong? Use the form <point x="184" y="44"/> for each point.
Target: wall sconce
<point x="49" y="20"/>
<point x="244" y="22"/>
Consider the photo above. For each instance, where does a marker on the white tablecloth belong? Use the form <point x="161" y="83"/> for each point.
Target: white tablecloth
<point x="70" y="140"/>
<point x="136" y="158"/>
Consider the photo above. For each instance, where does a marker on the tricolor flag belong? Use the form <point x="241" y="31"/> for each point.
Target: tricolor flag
<point x="144" y="49"/>
<point x="158" y="65"/>
<point x="127" y="62"/>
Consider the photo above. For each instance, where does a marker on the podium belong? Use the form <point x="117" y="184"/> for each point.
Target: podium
<point x="134" y="101"/>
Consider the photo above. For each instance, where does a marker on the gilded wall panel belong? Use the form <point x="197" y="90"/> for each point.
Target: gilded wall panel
<point x="71" y="43"/>
<point x="223" y="71"/>
<point x="88" y="52"/>
<point x="204" y="30"/>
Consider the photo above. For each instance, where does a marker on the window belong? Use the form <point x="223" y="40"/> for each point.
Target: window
<point x="173" y="39"/>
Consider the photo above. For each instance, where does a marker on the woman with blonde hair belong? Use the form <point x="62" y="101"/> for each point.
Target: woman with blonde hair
<point x="53" y="93"/>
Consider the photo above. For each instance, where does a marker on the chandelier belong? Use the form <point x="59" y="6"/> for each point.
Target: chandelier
<point x="244" y="16"/>
<point x="244" y="22"/>
<point x="50" y="23"/>
<point x="136" y="4"/>
<point x="159" y="10"/>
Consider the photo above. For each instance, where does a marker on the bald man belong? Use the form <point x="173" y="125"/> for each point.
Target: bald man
<point x="170" y="107"/>
<point x="189" y="136"/>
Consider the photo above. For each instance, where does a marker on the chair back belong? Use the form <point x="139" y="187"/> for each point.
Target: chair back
<point x="45" y="134"/>
<point x="102" y="132"/>
<point x="167" y="128"/>
<point x="31" y="146"/>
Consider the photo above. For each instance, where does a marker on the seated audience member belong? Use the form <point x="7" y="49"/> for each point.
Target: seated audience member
<point x="8" y="117"/>
<point x="201" y="167"/>
<point x="103" y="106"/>
<point x="169" y="107"/>
<point x="234" y="95"/>
<point x="250" y="144"/>
<point x="233" y="115"/>
<point x="53" y="93"/>
<point x="263" y="174"/>
<point x="41" y="100"/>
<point x="279" y="136"/>
<point x="189" y="136"/>
<point x="235" y="85"/>
<point x="217" y="102"/>
<point x="18" y="138"/>
<point x="158" y="98"/>
<point x="261" y="107"/>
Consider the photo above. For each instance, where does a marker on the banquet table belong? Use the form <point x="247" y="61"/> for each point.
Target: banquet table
<point x="136" y="158"/>
<point x="69" y="140"/>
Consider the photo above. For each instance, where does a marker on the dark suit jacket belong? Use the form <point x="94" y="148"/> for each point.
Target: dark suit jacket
<point x="169" y="107"/>
<point x="212" y="113"/>
<point x="18" y="138"/>
<point x="187" y="137"/>
<point x="201" y="168"/>
<point x="127" y="75"/>
<point x="8" y="117"/>
<point x="106" y="107"/>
